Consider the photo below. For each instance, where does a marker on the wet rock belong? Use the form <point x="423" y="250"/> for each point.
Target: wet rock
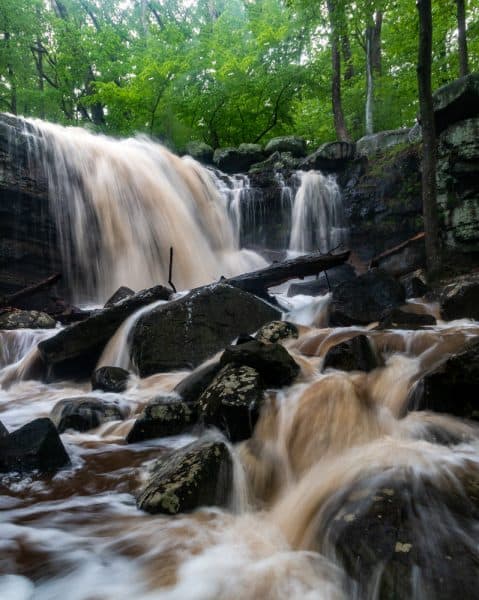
<point x="36" y="445"/>
<point x="110" y="379"/>
<point x="238" y="160"/>
<point x="84" y="413"/>
<point x="276" y="331"/>
<point x="272" y="361"/>
<point x="460" y="301"/>
<point x="75" y="350"/>
<point x="451" y="388"/>
<point x="330" y="156"/>
<point x="243" y="338"/>
<point x="288" y="143"/>
<point x="191" y="387"/>
<point x="415" y="284"/>
<point x="365" y="299"/>
<point x="200" y="151"/>
<point x="403" y="538"/>
<point x="184" y="333"/>
<point x="26" y="319"/>
<point x="403" y="258"/>
<point x="324" y="283"/>
<point x="400" y="319"/>
<point x="199" y="474"/>
<point x="120" y="294"/>
<point x="232" y="401"/>
<point x="355" y="354"/>
<point x="163" y="417"/>
<point x="3" y="430"/>
<point x="456" y="101"/>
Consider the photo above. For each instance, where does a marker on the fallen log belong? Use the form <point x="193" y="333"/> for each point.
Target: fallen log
<point x="29" y="290"/>
<point x="258" y="282"/>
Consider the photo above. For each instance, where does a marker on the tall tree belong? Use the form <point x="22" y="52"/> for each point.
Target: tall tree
<point x="424" y="65"/>
<point x="462" y="38"/>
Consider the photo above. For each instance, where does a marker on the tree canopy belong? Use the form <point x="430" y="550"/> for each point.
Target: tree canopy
<point x="222" y="71"/>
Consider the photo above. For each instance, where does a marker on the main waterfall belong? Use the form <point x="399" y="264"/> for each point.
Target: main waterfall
<point x="119" y="205"/>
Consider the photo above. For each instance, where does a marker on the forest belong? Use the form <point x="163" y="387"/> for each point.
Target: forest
<point x="225" y="71"/>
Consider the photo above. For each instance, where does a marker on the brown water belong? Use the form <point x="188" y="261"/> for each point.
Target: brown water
<point x="78" y="535"/>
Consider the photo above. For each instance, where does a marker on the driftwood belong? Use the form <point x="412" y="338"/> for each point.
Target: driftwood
<point x="30" y="290"/>
<point x="258" y="282"/>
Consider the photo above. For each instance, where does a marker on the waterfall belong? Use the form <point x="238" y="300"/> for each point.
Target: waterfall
<point x="119" y="205"/>
<point x="318" y="221"/>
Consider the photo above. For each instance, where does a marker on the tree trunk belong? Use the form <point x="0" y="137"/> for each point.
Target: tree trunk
<point x="339" y="122"/>
<point x="369" y="81"/>
<point x="431" y="225"/>
<point x="347" y="57"/>
<point x="376" y="54"/>
<point x="462" y="39"/>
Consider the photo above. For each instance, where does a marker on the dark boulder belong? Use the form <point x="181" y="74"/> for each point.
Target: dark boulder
<point x="238" y="160"/>
<point x="199" y="474"/>
<point x="460" y="301"/>
<point x="26" y="319"/>
<point x="277" y="330"/>
<point x="400" y="319"/>
<point x="36" y="445"/>
<point x="75" y="350"/>
<point x="330" y="156"/>
<point x="232" y="401"/>
<point x="193" y="385"/>
<point x="324" y="283"/>
<point x="3" y="430"/>
<point x="277" y="160"/>
<point x="415" y="284"/>
<point x="365" y="299"/>
<point x="272" y="361"/>
<point x="456" y="101"/>
<point x="288" y="143"/>
<point x="184" y="333"/>
<point x="200" y="151"/>
<point x="451" y="388"/>
<point x="83" y="413"/>
<point x="162" y="417"/>
<point x="355" y="354"/>
<point x="403" y="258"/>
<point x="120" y="294"/>
<point x="110" y="379"/>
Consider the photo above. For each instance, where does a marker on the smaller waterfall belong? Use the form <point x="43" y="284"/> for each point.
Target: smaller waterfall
<point x="318" y="221"/>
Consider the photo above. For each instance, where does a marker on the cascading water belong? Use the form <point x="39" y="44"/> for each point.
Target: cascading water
<point x="318" y="221"/>
<point x="120" y="205"/>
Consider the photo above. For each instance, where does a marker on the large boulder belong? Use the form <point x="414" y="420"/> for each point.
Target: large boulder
<point x="355" y="354"/>
<point x="331" y="156"/>
<point x="84" y="413"/>
<point x="287" y="143"/>
<point x="365" y="299"/>
<point x="200" y="151"/>
<point x="404" y="258"/>
<point x="26" y="319"/>
<point x="272" y="361"/>
<point x="118" y="296"/>
<point x="193" y="385"/>
<point x="379" y="142"/>
<point x="415" y="284"/>
<point x="162" y="417"/>
<point x="75" y="350"/>
<point x="451" y="388"/>
<point x="324" y="283"/>
<point x="276" y="331"/>
<point x="460" y="301"/>
<point x="184" y="333"/>
<point x="199" y="474"/>
<point x="110" y="379"/>
<point x="276" y="161"/>
<point x="238" y="160"/>
<point x="36" y="445"/>
<point x="232" y="401"/>
<point x="3" y="430"/>
<point x="456" y="101"/>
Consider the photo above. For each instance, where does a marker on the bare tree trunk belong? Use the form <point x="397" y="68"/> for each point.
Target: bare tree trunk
<point x="376" y="54"/>
<point x="369" y="81"/>
<point x="431" y="224"/>
<point x="462" y="39"/>
<point x="339" y="121"/>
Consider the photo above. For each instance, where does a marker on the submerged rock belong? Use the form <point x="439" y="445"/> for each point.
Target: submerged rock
<point x="36" y="445"/>
<point x="26" y="319"/>
<point x="276" y="331"/>
<point x="460" y="301"/>
<point x="83" y="413"/>
<point x="199" y="474"/>
<point x="355" y="354"/>
<point x="232" y="401"/>
<point x="184" y="333"/>
<point x="365" y="299"/>
<point x="110" y="379"/>
<point x="272" y="361"/>
<point x="162" y="417"/>
<point x="451" y="388"/>
<point x="192" y="386"/>
<point x="120" y="295"/>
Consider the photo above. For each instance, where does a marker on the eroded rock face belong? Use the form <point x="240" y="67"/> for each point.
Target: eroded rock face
<point x="163" y="417"/>
<point x="232" y="401"/>
<point x="356" y="354"/>
<point x="276" y="331"/>
<point x="272" y="361"/>
<point x="26" y="319"/>
<point x="456" y="101"/>
<point x="184" y="333"/>
<point x="199" y="474"/>
<point x="84" y="413"/>
<point x="110" y="379"/>
<point x="460" y="301"/>
<point x="36" y="445"/>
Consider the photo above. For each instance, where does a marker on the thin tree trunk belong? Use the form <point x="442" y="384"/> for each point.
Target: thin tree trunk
<point x="431" y="224"/>
<point x="347" y="57"/>
<point x="339" y="121"/>
<point x="369" y="81"/>
<point x="376" y="54"/>
<point x="462" y="38"/>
